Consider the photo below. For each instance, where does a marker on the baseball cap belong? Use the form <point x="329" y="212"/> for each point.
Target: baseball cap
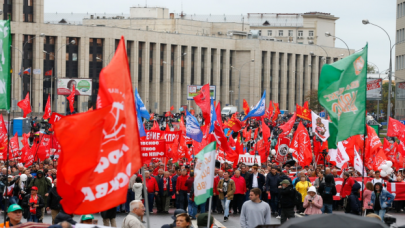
<point x="177" y="212"/>
<point x="9" y="176"/>
<point x="87" y="217"/>
<point x="34" y="188"/>
<point x="285" y="182"/>
<point x="14" y="207"/>
<point x="202" y="220"/>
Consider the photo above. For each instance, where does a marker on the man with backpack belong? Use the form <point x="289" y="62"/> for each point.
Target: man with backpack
<point x="287" y="200"/>
<point x="351" y="203"/>
<point x="327" y="190"/>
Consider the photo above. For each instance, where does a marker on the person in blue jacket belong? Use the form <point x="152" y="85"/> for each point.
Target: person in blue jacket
<point x="354" y="205"/>
<point x="380" y="200"/>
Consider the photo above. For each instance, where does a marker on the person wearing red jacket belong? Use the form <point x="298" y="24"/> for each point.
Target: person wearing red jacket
<point x="216" y="203"/>
<point x="181" y="189"/>
<point x="347" y="185"/>
<point x="239" y="195"/>
<point x="153" y="189"/>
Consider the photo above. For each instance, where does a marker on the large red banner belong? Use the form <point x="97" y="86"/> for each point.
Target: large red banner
<point x="152" y="149"/>
<point x="168" y="136"/>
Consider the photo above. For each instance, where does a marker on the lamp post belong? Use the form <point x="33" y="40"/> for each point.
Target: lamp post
<point x="172" y="78"/>
<point x="366" y="22"/>
<point x="56" y="73"/>
<point x="240" y="75"/>
<point x="327" y="34"/>
<point x="22" y="67"/>
<point x="312" y="43"/>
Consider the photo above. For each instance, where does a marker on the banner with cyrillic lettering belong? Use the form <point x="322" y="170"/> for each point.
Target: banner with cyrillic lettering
<point x="152" y="149"/>
<point x="168" y="136"/>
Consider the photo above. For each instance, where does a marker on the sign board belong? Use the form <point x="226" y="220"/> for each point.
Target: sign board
<point x="37" y="71"/>
<point x="83" y="86"/>
<point x="153" y="149"/>
<point x="322" y="114"/>
<point x="374" y="89"/>
<point x="193" y="90"/>
<point x="167" y="136"/>
<point x="248" y="159"/>
<point x="400" y="91"/>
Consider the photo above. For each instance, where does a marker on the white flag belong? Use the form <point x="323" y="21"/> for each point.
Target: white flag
<point x="204" y="174"/>
<point x="320" y="126"/>
<point x="339" y="155"/>
<point x="358" y="163"/>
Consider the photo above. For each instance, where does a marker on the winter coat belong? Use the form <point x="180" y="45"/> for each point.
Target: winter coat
<point x="161" y="187"/>
<point x="318" y="183"/>
<point x="240" y="185"/>
<point x="53" y="199"/>
<point x="230" y="192"/>
<point x="43" y="184"/>
<point x="385" y="197"/>
<point x="62" y="217"/>
<point x="246" y="176"/>
<point x="347" y="187"/>
<point x="283" y="177"/>
<point x="327" y="198"/>
<point x="25" y="205"/>
<point x="355" y="205"/>
<point x="109" y="214"/>
<point x="287" y="197"/>
<point x="181" y="183"/>
<point x="272" y="183"/>
<point x="317" y="204"/>
<point x="138" y="190"/>
<point x="367" y="198"/>
<point x="151" y="185"/>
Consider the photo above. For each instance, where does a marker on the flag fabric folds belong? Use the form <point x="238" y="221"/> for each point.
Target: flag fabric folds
<point x="204" y="170"/>
<point x="140" y="106"/>
<point x="193" y="128"/>
<point x="259" y="109"/>
<point x="396" y="129"/>
<point x="25" y="105"/>
<point x="48" y="111"/>
<point x="5" y="77"/>
<point x="342" y="92"/>
<point x="71" y="99"/>
<point x="245" y="107"/>
<point x="48" y="73"/>
<point x="320" y="127"/>
<point x="203" y="100"/>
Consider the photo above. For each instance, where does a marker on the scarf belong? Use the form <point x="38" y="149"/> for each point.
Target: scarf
<point x="165" y="184"/>
<point x="33" y="200"/>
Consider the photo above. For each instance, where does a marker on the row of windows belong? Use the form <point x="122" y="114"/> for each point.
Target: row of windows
<point x="400" y="35"/>
<point x="300" y="33"/>
<point x="400" y="62"/>
<point x="401" y="9"/>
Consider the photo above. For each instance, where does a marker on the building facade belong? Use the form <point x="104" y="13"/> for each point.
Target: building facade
<point x="400" y="56"/>
<point x="165" y="53"/>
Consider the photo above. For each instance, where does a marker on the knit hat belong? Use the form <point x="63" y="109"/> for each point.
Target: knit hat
<point x="285" y="182"/>
<point x="312" y="189"/>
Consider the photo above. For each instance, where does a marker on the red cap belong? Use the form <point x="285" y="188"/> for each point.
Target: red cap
<point x="230" y="170"/>
<point x="34" y="188"/>
<point x="284" y="171"/>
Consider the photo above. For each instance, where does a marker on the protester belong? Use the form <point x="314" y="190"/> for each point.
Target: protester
<point x="14" y="214"/>
<point x="132" y="219"/>
<point x="165" y="191"/>
<point x="158" y="198"/>
<point x="176" y="212"/>
<point x="202" y="220"/>
<point x="353" y="205"/>
<point x="182" y="189"/>
<point x="312" y="202"/>
<point x="255" y="212"/>
<point x="215" y="200"/>
<point x="381" y="199"/>
<point x="256" y="179"/>
<point x="367" y="198"/>
<point x="53" y="202"/>
<point x="33" y="204"/>
<point x="378" y="179"/>
<point x="287" y="201"/>
<point x="347" y="185"/>
<point x="327" y="190"/>
<point x="183" y="221"/>
<point x="153" y="189"/>
<point x="302" y="187"/>
<point x="240" y="191"/>
<point x="43" y="185"/>
<point x="109" y="217"/>
<point x="226" y="189"/>
<point x="319" y="180"/>
<point x="272" y="183"/>
<point x="87" y="219"/>
<point x="64" y="217"/>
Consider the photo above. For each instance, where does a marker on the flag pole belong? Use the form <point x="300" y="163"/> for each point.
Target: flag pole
<point x="209" y="212"/>
<point x="51" y="88"/>
<point x="145" y="192"/>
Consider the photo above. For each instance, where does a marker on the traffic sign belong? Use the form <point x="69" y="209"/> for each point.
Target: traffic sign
<point x="322" y="114"/>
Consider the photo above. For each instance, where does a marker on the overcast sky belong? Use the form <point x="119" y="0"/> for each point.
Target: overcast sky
<point x="348" y="27"/>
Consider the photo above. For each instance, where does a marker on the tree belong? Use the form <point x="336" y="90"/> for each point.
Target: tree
<point x="370" y="69"/>
<point x="313" y="103"/>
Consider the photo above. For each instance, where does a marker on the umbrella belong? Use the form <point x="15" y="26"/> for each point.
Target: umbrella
<point x="334" y="221"/>
<point x="291" y="162"/>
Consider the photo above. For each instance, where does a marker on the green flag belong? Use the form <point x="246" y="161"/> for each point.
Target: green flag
<point x="5" y="45"/>
<point x="204" y="174"/>
<point x="342" y="92"/>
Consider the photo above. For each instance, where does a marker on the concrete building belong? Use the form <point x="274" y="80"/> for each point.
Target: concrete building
<point x="400" y="58"/>
<point x="166" y="54"/>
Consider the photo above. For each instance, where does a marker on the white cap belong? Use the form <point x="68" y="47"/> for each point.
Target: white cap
<point x="312" y="189"/>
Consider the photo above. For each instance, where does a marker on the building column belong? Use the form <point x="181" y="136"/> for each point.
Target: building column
<point x="266" y="80"/>
<point x="300" y="78"/>
<point x="315" y="73"/>
<point x="134" y="64"/>
<point x="177" y="78"/>
<point x="145" y="76"/>
<point x="274" y="79"/>
<point x="61" y="68"/>
<point x="216" y="72"/>
<point x="37" y="80"/>
<point x="226" y="67"/>
<point x="155" y="98"/>
<point x="283" y="94"/>
<point x="291" y="86"/>
<point x="187" y="74"/>
<point x="255" y="74"/>
<point x="83" y="68"/>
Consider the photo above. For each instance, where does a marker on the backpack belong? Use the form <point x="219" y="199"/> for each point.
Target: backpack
<point x="297" y="198"/>
<point x="327" y="190"/>
<point x="346" y="205"/>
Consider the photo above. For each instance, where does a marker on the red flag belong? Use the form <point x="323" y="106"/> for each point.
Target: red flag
<point x="301" y="145"/>
<point x="55" y="117"/>
<point x="44" y="150"/>
<point x="231" y="142"/>
<point x="182" y="125"/>
<point x="270" y="110"/>
<point x="263" y="148"/>
<point x="221" y="139"/>
<point x="155" y="126"/>
<point x="379" y="158"/>
<point x="105" y="152"/>
<point x="203" y="101"/>
<point x="306" y="112"/>
<point x="172" y="108"/>
<point x="167" y="127"/>
<point x="218" y="112"/>
<point x="14" y="146"/>
<point x="396" y="129"/>
<point x="245" y="107"/>
<point x="47" y="113"/>
<point x="25" y="105"/>
<point x="373" y="145"/>
<point x="256" y="133"/>
<point x="192" y="112"/>
<point x="48" y="73"/>
<point x="239" y="146"/>
<point x="248" y="135"/>
<point x="152" y="116"/>
<point x="168" y="114"/>
<point x="390" y="150"/>
<point x="298" y="110"/>
<point x="71" y="99"/>
<point x="276" y="112"/>
<point x="288" y="126"/>
<point x="234" y="124"/>
<point x="265" y="131"/>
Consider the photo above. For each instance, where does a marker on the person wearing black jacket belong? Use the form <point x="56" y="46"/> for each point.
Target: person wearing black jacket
<point x="109" y="217"/>
<point x="327" y="190"/>
<point x="287" y="200"/>
<point x="64" y="217"/>
<point x="33" y="204"/>
<point x="53" y="201"/>
<point x="353" y="203"/>
<point x="256" y="179"/>
<point x="272" y="184"/>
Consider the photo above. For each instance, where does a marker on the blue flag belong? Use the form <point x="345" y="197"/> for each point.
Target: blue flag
<point x="140" y="124"/>
<point x="213" y="116"/>
<point x="259" y="109"/>
<point x="193" y="128"/>
<point x="140" y="107"/>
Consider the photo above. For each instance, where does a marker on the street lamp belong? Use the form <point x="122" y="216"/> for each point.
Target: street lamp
<point x="56" y="73"/>
<point x="240" y="75"/>
<point x="366" y="22"/>
<point x="327" y="34"/>
<point x="311" y="42"/>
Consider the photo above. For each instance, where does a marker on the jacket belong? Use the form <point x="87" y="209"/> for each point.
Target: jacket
<point x="53" y="199"/>
<point x="317" y="204"/>
<point x="231" y="189"/>
<point x="151" y="185"/>
<point x="272" y="183"/>
<point x="353" y="200"/>
<point x="246" y="176"/>
<point x="327" y="198"/>
<point x="132" y="221"/>
<point x="347" y="187"/>
<point x="385" y="197"/>
<point x="161" y="186"/>
<point x="318" y="183"/>
<point x="260" y="181"/>
<point x="181" y="183"/>
<point x="287" y="197"/>
<point x="367" y="199"/>
<point x="109" y="214"/>
<point x="26" y="206"/>
<point x="138" y="190"/>
<point x="283" y="177"/>
<point x="43" y="184"/>
<point x="62" y="216"/>
<point x="216" y="181"/>
<point x="240" y="185"/>
<point x="189" y="184"/>
<point x="174" y="180"/>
